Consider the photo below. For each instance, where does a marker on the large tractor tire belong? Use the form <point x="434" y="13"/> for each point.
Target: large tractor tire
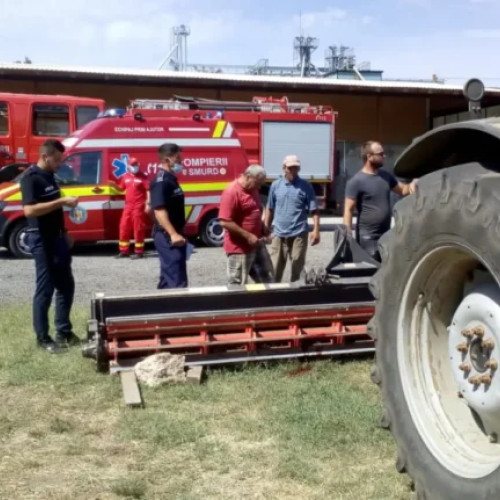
<point x="437" y="333"/>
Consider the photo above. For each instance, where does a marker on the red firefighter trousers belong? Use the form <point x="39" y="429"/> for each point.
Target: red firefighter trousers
<point x="132" y="225"/>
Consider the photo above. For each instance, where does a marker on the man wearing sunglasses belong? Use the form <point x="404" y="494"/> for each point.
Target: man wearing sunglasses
<point x="369" y="193"/>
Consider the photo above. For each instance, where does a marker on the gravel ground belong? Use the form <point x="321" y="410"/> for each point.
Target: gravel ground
<point x="95" y="270"/>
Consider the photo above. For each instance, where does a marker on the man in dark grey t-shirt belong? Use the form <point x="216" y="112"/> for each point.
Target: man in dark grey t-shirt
<point x="369" y="192"/>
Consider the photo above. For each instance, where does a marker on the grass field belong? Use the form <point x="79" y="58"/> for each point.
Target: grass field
<point x="256" y="432"/>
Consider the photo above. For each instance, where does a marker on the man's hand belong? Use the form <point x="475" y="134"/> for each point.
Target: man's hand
<point x="69" y="201"/>
<point x="252" y="239"/>
<point x="147" y="209"/>
<point x="113" y="184"/>
<point x="412" y="187"/>
<point x="314" y="238"/>
<point x="266" y="230"/>
<point x="177" y="240"/>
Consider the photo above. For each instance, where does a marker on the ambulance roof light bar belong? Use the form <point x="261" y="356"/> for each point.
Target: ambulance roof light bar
<point x="111" y="112"/>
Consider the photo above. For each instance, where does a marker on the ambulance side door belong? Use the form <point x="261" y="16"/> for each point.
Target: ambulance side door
<point x="80" y="175"/>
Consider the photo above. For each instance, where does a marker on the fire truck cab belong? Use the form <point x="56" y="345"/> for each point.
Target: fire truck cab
<point x="219" y="140"/>
<point x="26" y="120"/>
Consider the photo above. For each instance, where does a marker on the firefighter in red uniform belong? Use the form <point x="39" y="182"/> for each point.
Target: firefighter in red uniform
<point x="133" y="220"/>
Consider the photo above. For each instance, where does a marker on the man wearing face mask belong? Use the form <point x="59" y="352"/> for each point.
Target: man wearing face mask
<point x="133" y="220"/>
<point x="167" y="202"/>
<point x="50" y="246"/>
<point x="369" y="193"/>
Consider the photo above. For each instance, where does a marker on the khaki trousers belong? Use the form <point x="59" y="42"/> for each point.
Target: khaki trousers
<point x="293" y="248"/>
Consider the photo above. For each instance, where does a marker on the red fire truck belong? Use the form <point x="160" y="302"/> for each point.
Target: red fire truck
<point x="26" y="120"/>
<point x="219" y="140"/>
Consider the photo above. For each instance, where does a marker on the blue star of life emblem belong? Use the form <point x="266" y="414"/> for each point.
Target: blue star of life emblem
<point x="120" y="165"/>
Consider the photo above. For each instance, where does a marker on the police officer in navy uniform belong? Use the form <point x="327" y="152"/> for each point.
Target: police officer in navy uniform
<point x="50" y="246"/>
<point x="167" y="202"/>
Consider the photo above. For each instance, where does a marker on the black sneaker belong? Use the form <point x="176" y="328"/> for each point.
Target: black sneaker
<point x="50" y="346"/>
<point x="137" y="256"/>
<point x="121" y="255"/>
<point x="67" y="339"/>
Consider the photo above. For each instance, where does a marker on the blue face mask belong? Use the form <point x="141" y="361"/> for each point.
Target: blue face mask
<point x="176" y="168"/>
<point x="134" y="169"/>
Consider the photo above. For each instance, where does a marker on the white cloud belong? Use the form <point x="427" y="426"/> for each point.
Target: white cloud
<point x="214" y="28"/>
<point x="483" y="33"/>
<point x="119" y="30"/>
<point x="326" y="18"/>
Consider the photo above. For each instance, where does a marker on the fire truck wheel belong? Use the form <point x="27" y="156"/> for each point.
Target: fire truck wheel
<point x="437" y="333"/>
<point x="18" y="245"/>
<point x="211" y="232"/>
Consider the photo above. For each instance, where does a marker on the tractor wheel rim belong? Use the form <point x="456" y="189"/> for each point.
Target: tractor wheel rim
<point x="456" y="427"/>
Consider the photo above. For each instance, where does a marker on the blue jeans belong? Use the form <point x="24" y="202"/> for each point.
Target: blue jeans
<point x="53" y="272"/>
<point x="173" y="269"/>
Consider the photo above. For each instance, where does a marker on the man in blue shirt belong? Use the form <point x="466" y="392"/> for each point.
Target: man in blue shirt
<point x="290" y="201"/>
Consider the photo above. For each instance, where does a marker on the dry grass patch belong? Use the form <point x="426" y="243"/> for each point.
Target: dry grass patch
<point x="250" y="432"/>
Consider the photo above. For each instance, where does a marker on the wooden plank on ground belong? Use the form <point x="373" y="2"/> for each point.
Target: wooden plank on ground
<point x="194" y="374"/>
<point x="130" y="388"/>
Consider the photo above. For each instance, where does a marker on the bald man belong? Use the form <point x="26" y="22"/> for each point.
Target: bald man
<point x="369" y="192"/>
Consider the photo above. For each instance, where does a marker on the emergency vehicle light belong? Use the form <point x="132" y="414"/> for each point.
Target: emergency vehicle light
<point x="112" y="112"/>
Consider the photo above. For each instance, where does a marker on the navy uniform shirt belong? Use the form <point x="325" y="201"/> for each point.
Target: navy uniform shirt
<point x="166" y="193"/>
<point x="39" y="186"/>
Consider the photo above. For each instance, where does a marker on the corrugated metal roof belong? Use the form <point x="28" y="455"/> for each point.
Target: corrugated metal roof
<point x="297" y="82"/>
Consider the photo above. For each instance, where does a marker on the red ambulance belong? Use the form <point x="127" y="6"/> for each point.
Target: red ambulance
<point x="219" y="140"/>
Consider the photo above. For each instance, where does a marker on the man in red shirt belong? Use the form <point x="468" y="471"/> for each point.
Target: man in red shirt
<point x="133" y="220"/>
<point x="244" y="239"/>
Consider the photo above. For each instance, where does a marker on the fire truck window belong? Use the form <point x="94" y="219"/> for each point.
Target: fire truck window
<point x="50" y="120"/>
<point x="80" y="169"/>
<point x="85" y="114"/>
<point x="4" y="119"/>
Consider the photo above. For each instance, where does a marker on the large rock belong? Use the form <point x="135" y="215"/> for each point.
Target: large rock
<point x="161" y="369"/>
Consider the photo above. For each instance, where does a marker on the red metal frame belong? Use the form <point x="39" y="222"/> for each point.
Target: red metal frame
<point x="249" y="333"/>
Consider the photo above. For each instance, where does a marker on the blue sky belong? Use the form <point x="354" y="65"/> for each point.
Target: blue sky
<point x="406" y="38"/>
